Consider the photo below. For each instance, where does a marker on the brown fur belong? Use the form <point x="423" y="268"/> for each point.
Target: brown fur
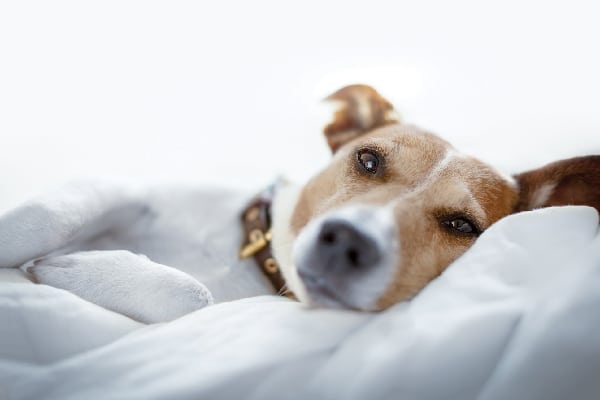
<point x="426" y="247"/>
<point x="576" y="180"/>
<point x="362" y="110"/>
<point x="410" y="155"/>
<point x="421" y="189"/>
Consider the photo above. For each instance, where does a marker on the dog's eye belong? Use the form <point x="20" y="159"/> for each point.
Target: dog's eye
<point x="461" y="225"/>
<point x="369" y="160"/>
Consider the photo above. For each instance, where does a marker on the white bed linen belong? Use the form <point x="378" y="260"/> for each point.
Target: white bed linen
<point x="517" y="317"/>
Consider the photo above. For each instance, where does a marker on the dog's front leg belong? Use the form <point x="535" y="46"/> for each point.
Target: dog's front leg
<point x="128" y="283"/>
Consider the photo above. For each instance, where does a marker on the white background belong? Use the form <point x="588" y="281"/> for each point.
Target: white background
<point x="229" y="91"/>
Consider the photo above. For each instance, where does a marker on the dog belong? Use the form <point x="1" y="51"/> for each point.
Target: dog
<point x="394" y="208"/>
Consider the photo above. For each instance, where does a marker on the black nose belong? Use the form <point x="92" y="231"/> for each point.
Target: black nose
<point x="344" y="247"/>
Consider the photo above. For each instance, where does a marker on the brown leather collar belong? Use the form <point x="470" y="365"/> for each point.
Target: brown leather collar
<point x="256" y="222"/>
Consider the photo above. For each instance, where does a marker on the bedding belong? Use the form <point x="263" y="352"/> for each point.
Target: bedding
<point x="516" y="317"/>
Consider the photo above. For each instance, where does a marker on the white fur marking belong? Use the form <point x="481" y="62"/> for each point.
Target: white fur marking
<point x="364" y="109"/>
<point x="284" y="205"/>
<point x="541" y="196"/>
<point x="374" y="222"/>
<point x="450" y="155"/>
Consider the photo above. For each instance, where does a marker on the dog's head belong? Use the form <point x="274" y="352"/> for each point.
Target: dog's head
<point x="397" y="205"/>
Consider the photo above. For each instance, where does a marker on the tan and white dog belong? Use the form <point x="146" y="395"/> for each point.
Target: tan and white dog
<point x="392" y="210"/>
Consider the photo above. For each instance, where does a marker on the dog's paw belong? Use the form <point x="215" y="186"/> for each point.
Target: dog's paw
<point x="124" y="282"/>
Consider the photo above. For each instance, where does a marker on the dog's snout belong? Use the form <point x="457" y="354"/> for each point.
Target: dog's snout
<point x="346" y="247"/>
<point x="346" y="257"/>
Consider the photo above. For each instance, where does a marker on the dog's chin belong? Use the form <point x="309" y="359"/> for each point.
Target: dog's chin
<point x="324" y="298"/>
<point x="319" y="295"/>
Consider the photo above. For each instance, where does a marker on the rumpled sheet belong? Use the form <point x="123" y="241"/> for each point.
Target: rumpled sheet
<point x="517" y="317"/>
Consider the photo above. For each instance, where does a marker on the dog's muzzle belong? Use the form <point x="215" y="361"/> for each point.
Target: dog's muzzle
<point x="345" y="258"/>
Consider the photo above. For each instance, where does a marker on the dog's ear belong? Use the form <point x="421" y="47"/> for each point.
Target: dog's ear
<point x="361" y="109"/>
<point x="575" y="181"/>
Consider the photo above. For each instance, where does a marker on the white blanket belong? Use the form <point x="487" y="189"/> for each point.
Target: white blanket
<point x="517" y="317"/>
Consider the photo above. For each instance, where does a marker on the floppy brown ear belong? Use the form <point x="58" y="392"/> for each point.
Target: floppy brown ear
<point x="575" y="181"/>
<point x="361" y="110"/>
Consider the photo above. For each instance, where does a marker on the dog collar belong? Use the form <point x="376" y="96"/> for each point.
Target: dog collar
<point x="256" y="223"/>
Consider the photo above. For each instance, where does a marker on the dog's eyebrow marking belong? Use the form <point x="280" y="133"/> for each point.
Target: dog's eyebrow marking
<point x="449" y="156"/>
<point x="476" y="208"/>
<point x="437" y="169"/>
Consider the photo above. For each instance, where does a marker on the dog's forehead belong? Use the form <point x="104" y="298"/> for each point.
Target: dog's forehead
<point x="402" y="136"/>
<point x="425" y="171"/>
<point x="408" y="141"/>
<point x="434" y="169"/>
